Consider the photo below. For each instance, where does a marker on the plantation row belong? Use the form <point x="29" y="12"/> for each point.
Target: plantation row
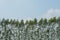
<point x="30" y="22"/>
<point x="44" y="29"/>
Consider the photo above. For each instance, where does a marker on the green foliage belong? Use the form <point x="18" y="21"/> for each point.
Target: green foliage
<point x="45" y="21"/>
<point x="58" y="20"/>
<point x="22" y="22"/>
<point x="17" y="23"/>
<point x="52" y="20"/>
<point x="30" y="29"/>
<point x="2" y="22"/>
<point x="26" y="22"/>
<point x="40" y="22"/>
<point x="35" y="21"/>
<point x="31" y="22"/>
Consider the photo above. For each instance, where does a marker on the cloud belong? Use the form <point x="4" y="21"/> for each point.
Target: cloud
<point x="51" y="13"/>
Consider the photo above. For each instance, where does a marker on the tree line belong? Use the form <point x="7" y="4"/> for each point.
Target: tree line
<point x="44" y="29"/>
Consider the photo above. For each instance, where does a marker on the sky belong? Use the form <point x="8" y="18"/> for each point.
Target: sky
<point x="29" y="9"/>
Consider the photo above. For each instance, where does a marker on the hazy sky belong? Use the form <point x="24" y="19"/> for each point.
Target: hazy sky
<point x="28" y="9"/>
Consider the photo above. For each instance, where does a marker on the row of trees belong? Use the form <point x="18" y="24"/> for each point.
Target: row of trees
<point x="30" y="22"/>
<point x="44" y="29"/>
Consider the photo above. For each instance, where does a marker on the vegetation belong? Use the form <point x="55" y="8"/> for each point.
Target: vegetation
<point x="44" y="29"/>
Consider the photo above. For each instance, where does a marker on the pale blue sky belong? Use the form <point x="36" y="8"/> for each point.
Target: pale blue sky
<point x="26" y="9"/>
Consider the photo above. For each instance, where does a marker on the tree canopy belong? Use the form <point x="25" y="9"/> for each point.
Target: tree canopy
<point x="42" y="29"/>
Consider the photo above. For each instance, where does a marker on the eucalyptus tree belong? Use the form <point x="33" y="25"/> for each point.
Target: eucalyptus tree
<point x="22" y="25"/>
<point x="16" y="33"/>
<point x="35" y="24"/>
<point x="45" y="22"/>
<point x="12" y="25"/>
<point x="58" y="28"/>
<point x="58" y="20"/>
<point x="18" y="26"/>
<point x="30" y="27"/>
<point x="45" y="25"/>
<point x="4" y="24"/>
<point x="14" y="22"/>
<point x="35" y="21"/>
<point x="36" y="31"/>
<point x="26" y="23"/>
<point x="40" y="23"/>
<point x="10" y="22"/>
<point x="52" y="20"/>
<point x="26" y="29"/>
<point x="52" y="31"/>
<point x="17" y="23"/>
<point x="21" y="29"/>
